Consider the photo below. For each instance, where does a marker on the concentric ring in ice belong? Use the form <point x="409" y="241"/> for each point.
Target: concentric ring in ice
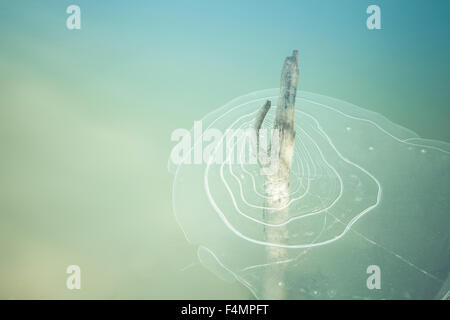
<point x="362" y="191"/>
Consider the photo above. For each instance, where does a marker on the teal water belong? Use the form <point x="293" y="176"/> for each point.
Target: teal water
<point x="86" y="118"/>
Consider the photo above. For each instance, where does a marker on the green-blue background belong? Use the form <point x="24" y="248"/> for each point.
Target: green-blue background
<point x="86" y="117"/>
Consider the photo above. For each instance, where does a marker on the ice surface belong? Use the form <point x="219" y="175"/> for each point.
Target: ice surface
<point x="363" y="191"/>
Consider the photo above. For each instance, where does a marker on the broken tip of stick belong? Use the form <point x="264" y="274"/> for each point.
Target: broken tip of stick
<point x="262" y="114"/>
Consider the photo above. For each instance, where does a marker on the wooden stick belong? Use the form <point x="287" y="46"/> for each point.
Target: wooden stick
<point x="277" y="184"/>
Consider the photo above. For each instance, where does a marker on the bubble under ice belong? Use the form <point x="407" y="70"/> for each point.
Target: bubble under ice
<point x="363" y="191"/>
